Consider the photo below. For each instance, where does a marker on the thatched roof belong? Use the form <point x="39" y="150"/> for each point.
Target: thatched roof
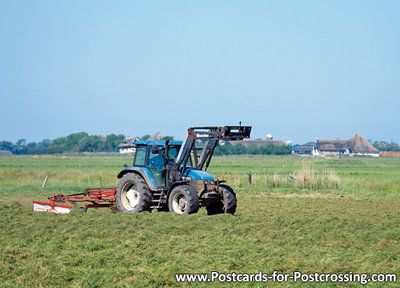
<point x="358" y="144"/>
<point x="305" y="148"/>
<point x="332" y="145"/>
<point x="128" y="142"/>
<point x="156" y="136"/>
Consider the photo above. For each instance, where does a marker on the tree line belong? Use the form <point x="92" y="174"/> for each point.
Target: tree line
<point x="73" y="143"/>
<point x="266" y="149"/>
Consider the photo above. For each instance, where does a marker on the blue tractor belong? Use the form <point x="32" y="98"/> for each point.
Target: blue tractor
<point x="171" y="175"/>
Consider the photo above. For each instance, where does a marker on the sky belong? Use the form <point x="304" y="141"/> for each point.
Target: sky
<point x="298" y="70"/>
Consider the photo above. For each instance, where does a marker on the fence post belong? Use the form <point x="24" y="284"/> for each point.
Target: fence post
<point x="249" y="179"/>
<point x="44" y="182"/>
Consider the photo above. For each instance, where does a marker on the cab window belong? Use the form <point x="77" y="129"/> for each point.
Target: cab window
<point x="140" y="157"/>
<point x="156" y="160"/>
<point x="173" y="153"/>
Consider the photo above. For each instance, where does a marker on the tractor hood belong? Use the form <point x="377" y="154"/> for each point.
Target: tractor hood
<point x="197" y="174"/>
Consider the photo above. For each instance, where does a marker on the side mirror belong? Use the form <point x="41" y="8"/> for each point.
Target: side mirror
<point x="154" y="149"/>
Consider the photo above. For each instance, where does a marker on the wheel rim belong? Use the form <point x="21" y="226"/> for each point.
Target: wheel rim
<point x="130" y="196"/>
<point x="179" y="203"/>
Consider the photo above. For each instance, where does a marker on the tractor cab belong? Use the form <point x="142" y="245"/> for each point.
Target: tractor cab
<point x="153" y="157"/>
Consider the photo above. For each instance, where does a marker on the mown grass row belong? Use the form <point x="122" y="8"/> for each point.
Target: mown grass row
<point x="101" y="248"/>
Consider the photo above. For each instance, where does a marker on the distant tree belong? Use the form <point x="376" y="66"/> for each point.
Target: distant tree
<point x="31" y="145"/>
<point x="238" y="149"/>
<point x="282" y="149"/>
<point x="43" y="144"/>
<point x="40" y="147"/>
<point x="112" y="142"/>
<point x="20" y="147"/>
<point x="145" y="137"/>
<point x="96" y="144"/>
<point x="223" y="149"/>
<point x="386" y="146"/>
<point x="267" y="149"/>
<point x="6" y="145"/>
<point x="253" y="149"/>
<point x="84" y="144"/>
<point x="21" y="142"/>
<point x="72" y="143"/>
<point x="287" y="149"/>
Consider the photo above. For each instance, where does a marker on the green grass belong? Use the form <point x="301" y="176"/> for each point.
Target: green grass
<point x="279" y="224"/>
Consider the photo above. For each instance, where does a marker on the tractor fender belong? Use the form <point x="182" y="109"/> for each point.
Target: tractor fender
<point x="144" y="173"/>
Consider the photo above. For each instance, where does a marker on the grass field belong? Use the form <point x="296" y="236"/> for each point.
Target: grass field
<point x="329" y="216"/>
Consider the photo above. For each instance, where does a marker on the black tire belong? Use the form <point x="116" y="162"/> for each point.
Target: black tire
<point x="215" y="207"/>
<point x="227" y="204"/>
<point x="133" y="195"/>
<point x="183" y="200"/>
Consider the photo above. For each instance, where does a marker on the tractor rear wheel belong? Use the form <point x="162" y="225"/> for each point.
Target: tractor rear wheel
<point x="133" y="194"/>
<point x="183" y="200"/>
<point x="227" y="204"/>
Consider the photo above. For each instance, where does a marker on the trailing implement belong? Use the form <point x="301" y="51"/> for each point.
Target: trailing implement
<point x="97" y="197"/>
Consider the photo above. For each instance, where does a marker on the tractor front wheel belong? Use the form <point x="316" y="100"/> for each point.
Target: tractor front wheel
<point x="133" y="195"/>
<point x="183" y="200"/>
<point x="227" y="204"/>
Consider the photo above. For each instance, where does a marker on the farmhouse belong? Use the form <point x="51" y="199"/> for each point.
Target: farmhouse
<point x="355" y="146"/>
<point x="332" y="147"/>
<point x="126" y="145"/>
<point x="305" y="149"/>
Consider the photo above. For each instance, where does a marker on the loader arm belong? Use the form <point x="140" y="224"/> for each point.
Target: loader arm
<point x="211" y="136"/>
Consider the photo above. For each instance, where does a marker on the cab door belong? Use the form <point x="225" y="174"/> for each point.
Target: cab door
<point x="156" y="165"/>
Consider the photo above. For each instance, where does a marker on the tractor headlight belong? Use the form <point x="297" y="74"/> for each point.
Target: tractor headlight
<point x="186" y="178"/>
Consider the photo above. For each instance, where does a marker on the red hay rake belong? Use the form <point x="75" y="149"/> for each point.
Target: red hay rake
<point x="98" y="197"/>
